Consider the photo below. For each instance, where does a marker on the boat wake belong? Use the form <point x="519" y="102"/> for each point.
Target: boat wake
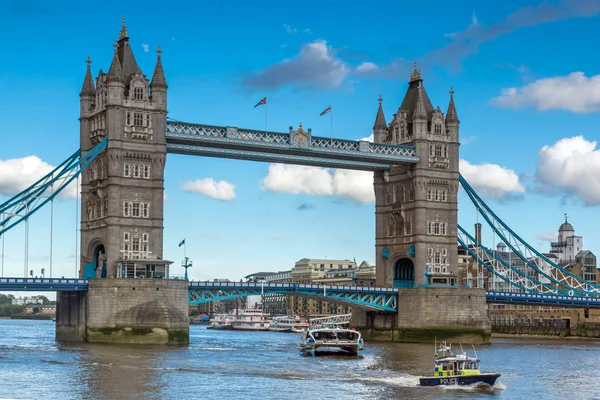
<point x="476" y="387"/>
<point x="398" y="381"/>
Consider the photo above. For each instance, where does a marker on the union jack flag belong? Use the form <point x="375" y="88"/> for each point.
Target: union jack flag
<point x="328" y="109"/>
<point x="260" y="103"/>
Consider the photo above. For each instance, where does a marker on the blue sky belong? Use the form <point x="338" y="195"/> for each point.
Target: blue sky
<point x="526" y="83"/>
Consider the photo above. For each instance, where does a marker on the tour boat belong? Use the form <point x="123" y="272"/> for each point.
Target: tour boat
<point x="288" y="324"/>
<point x="251" y="319"/>
<point x="348" y="340"/>
<point x="222" y="322"/>
<point x="456" y="369"/>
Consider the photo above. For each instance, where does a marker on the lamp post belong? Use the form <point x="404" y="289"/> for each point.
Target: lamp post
<point x="187" y="263"/>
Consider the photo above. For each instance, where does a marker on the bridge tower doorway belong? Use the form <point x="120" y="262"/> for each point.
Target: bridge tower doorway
<point x="97" y="265"/>
<point x="404" y="273"/>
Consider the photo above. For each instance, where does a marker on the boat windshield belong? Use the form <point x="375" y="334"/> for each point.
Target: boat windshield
<point x="333" y="335"/>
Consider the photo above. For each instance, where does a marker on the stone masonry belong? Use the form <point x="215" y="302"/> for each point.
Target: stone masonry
<point x="122" y="190"/>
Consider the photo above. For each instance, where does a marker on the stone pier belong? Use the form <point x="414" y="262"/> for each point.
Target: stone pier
<point x="134" y="311"/>
<point x="427" y="314"/>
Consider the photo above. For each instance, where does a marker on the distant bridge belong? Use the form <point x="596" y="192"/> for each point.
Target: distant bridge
<point x="372" y="298"/>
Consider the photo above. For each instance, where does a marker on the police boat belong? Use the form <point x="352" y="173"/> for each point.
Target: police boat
<point x="456" y="369"/>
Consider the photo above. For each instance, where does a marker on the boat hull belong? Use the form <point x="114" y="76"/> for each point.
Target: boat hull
<point x="459" y="380"/>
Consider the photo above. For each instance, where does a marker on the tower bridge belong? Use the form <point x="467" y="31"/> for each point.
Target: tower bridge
<point x="125" y="137"/>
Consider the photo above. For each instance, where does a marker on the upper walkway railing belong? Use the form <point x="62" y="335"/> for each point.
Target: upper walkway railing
<point x="293" y="147"/>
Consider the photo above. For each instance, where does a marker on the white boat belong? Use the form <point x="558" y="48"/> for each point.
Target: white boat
<point x="288" y="324"/>
<point x="348" y="340"/>
<point x="251" y="319"/>
<point x="222" y="322"/>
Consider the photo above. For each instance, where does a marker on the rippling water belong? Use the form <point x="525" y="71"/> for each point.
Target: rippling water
<point x="268" y="365"/>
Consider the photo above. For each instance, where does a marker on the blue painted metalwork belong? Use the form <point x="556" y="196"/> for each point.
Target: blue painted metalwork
<point x="293" y="147"/>
<point x="527" y="253"/>
<point x="542" y="299"/>
<point x="380" y="299"/>
<point x="21" y="206"/>
<point x="43" y="284"/>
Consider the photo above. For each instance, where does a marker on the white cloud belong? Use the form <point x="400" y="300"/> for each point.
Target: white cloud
<point x="298" y="179"/>
<point x="18" y="174"/>
<point x="165" y="197"/>
<point x="367" y="67"/>
<point x="145" y="47"/>
<point x="468" y="139"/>
<point x="307" y="31"/>
<point x="474" y="21"/>
<point x="221" y="190"/>
<point x="289" y="29"/>
<point x="316" y="66"/>
<point x="574" y="92"/>
<point x="369" y="138"/>
<point x="571" y="166"/>
<point x="548" y="237"/>
<point x="491" y="180"/>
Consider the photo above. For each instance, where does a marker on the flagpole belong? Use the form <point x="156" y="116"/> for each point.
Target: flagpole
<point x="184" y="252"/>
<point x="266" y="116"/>
<point x="331" y="126"/>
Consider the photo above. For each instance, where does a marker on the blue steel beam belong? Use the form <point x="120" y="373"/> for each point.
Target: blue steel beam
<point x="43" y="284"/>
<point x="379" y="299"/>
<point x="542" y="299"/>
<point x="292" y="147"/>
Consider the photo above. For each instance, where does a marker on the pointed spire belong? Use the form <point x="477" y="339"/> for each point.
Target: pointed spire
<point x="420" y="111"/>
<point x="451" y="115"/>
<point x="88" y="82"/>
<point x="123" y="34"/>
<point x="158" y="78"/>
<point x="416" y="74"/>
<point x="380" y="119"/>
<point x="115" y="73"/>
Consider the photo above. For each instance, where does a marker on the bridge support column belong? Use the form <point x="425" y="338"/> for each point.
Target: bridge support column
<point x="70" y="316"/>
<point x="137" y="311"/>
<point x="427" y="314"/>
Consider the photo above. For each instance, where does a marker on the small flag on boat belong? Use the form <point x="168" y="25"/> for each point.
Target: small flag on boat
<point x="260" y="103"/>
<point x="182" y="243"/>
<point x="328" y="109"/>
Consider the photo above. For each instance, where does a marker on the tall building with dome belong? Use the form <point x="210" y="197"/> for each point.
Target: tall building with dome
<point x="568" y="245"/>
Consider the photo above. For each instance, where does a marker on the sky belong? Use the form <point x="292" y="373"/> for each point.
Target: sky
<point x="527" y="92"/>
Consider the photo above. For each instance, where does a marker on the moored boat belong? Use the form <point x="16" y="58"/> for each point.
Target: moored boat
<point x="222" y="322"/>
<point x="251" y="319"/>
<point x="288" y="324"/>
<point x="348" y="340"/>
<point x="456" y="369"/>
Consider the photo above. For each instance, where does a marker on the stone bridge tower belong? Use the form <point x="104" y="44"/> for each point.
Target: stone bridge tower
<point x="122" y="190"/>
<point x="416" y="205"/>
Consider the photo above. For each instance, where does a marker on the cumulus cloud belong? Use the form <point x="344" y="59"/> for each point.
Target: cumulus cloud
<point x="571" y="167"/>
<point x="547" y="237"/>
<point x="299" y="179"/>
<point x="316" y="66"/>
<point x="221" y="190"/>
<point x="18" y="174"/>
<point x="574" y="92"/>
<point x="367" y="67"/>
<point x="491" y="180"/>
<point x="145" y="47"/>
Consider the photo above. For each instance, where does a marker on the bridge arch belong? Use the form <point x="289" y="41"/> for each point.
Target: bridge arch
<point x="404" y="273"/>
<point x="96" y="261"/>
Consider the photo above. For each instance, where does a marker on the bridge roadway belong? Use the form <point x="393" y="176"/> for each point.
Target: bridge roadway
<point x="379" y="299"/>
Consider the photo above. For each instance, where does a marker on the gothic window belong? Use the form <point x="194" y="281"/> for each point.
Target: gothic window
<point x="138" y="93"/>
<point x="136" y="170"/>
<point x="128" y="118"/>
<point x="431" y="153"/>
<point x="438" y="129"/>
<point x="429" y="194"/>
<point x="126" y="170"/>
<point x="438" y="150"/>
<point x="409" y="225"/>
<point x="126" y="208"/>
<point x="437" y="195"/>
<point x="145" y="237"/>
<point x="135" y="209"/>
<point x="138" y="119"/>
<point x="429" y="228"/>
<point x="126" y="236"/>
<point x="445" y="149"/>
<point x="443" y="195"/>
<point x="135" y="245"/>
<point x="146" y="172"/>
<point x="436" y="258"/>
<point x="145" y="210"/>
<point x="145" y="248"/>
<point x="148" y="120"/>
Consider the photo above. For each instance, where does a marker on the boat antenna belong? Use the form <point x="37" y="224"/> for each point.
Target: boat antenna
<point x="474" y="351"/>
<point x="461" y="349"/>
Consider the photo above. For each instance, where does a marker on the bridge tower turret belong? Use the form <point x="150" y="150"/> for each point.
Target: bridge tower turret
<point x="122" y="191"/>
<point x="416" y="205"/>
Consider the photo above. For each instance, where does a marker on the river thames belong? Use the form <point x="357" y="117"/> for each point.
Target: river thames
<point x="269" y="365"/>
